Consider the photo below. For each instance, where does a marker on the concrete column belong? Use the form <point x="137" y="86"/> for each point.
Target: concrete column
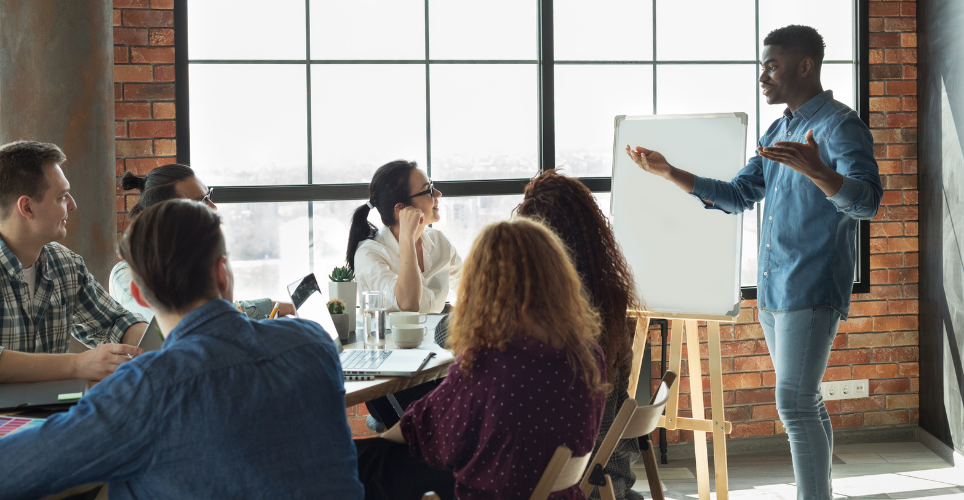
<point x="56" y="85"/>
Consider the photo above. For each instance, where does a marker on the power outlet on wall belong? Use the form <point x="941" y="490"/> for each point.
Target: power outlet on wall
<point x="845" y="389"/>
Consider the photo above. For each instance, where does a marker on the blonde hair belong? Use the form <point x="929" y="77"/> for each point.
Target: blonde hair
<point x="518" y="275"/>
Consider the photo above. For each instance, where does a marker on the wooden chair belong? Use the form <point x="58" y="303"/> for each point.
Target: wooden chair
<point x="631" y="422"/>
<point x="563" y="471"/>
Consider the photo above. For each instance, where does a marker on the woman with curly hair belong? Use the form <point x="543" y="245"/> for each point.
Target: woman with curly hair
<point x="568" y="208"/>
<point x="528" y="377"/>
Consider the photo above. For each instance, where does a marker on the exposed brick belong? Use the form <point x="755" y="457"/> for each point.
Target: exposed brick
<point x="908" y="9"/>
<point x="887" y="167"/>
<point x="890" y="354"/>
<point x="162" y="4"/>
<point x="141" y="166"/>
<point x="870" y="308"/>
<point x="892" y="417"/>
<point x="900" y="24"/>
<point x="885" y="104"/>
<point x="909" y="166"/>
<point x="130" y="36"/>
<point x="908" y="322"/>
<point x="846" y="421"/>
<point x="910" y="290"/>
<point x="856" y="325"/>
<point x="117" y="18"/>
<point x="862" y="404"/>
<point x="889" y="386"/>
<point x="885" y="323"/>
<point x="903" y="307"/>
<point x="914" y="385"/>
<point x="748" y="429"/>
<point x="886" y="135"/>
<point x="164" y="110"/>
<point x="132" y="110"/>
<point x="769" y="379"/>
<point x="752" y="363"/>
<point x="900" y="182"/>
<point x="149" y="91"/>
<point x="876" y="88"/>
<point x="133" y="73"/>
<point x="908" y="369"/>
<point x="910" y="198"/>
<point x="754" y="396"/>
<point x="120" y="129"/>
<point x="748" y="331"/>
<point x="849" y="357"/>
<point x="165" y="147"/>
<point x="886" y="229"/>
<point x="164" y="73"/>
<point x="880" y="370"/>
<point x="166" y="55"/>
<point x="884" y="9"/>
<point x="876" y="24"/>
<point x="836" y="373"/>
<point x="152" y="129"/>
<point x="902" y="151"/>
<point x="885" y="39"/>
<point x="148" y="18"/>
<point x="902" y="213"/>
<point x="911" y="259"/>
<point x="856" y="340"/>
<point x="896" y="87"/>
<point x="133" y="148"/>
<point x="905" y="338"/>
<point x="909" y="72"/>
<point x="120" y="55"/>
<point x="162" y="37"/>
<point x="738" y="348"/>
<point x="131" y="4"/>
<point x="765" y="412"/>
<point x="885" y="71"/>
<point x="876" y="120"/>
<point x="902" y="244"/>
<point x="875" y="56"/>
<point x="903" y="276"/>
<point x="901" y="119"/>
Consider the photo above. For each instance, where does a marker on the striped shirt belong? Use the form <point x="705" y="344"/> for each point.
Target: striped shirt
<point x="68" y="301"/>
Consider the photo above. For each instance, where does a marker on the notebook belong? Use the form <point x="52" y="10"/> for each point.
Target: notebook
<point x="310" y="303"/>
<point x="42" y="394"/>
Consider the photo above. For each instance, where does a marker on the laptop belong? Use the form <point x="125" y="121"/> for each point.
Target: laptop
<point x="152" y="340"/>
<point x="55" y="394"/>
<point x="310" y="304"/>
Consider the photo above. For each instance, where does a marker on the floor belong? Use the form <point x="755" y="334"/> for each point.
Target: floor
<point x="860" y="471"/>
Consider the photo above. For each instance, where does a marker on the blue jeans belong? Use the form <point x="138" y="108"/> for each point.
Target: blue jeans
<point x="799" y="343"/>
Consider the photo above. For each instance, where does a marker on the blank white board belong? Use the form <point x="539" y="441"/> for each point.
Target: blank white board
<point x="685" y="258"/>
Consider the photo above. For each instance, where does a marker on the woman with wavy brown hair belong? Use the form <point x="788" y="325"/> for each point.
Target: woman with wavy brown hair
<point x="528" y="377"/>
<point x="568" y="208"/>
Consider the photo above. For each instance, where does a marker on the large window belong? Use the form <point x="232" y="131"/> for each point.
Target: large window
<point x="289" y="107"/>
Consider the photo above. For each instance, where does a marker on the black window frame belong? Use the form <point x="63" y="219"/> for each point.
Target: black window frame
<point x="546" y="78"/>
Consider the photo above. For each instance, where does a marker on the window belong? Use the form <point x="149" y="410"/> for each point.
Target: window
<point x="290" y="109"/>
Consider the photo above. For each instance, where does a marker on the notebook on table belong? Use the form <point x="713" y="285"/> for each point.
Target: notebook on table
<point x="59" y="393"/>
<point x="357" y="364"/>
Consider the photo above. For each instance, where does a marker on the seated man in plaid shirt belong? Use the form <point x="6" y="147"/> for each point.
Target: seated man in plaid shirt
<point x="48" y="293"/>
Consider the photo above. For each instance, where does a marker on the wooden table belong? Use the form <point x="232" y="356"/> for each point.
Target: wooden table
<point x="358" y="392"/>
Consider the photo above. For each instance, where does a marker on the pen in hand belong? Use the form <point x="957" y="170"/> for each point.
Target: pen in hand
<point x="274" y="311"/>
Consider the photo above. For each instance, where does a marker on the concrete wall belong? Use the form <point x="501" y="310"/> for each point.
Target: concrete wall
<point x="56" y="85"/>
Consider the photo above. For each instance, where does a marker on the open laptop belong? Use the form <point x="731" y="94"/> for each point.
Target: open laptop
<point x="42" y="394"/>
<point x="311" y="304"/>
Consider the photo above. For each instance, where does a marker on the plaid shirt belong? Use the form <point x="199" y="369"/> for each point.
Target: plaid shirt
<point x="67" y="300"/>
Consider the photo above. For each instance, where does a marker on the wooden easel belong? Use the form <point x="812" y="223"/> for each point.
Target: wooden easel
<point x="699" y="425"/>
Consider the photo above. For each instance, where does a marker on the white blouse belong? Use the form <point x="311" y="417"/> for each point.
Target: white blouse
<point x="377" y="263"/>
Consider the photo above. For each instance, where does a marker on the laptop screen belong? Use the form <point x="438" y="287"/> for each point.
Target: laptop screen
<point x="310" y="303"/>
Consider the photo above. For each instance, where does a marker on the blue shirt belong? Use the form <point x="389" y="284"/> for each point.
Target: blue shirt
<point x="229" y="408"/>
<point x="807" y="239"/>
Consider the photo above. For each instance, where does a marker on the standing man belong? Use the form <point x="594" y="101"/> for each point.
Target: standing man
<point x="816" y="169"/>
<point x="228" y="408"/>
<point x="48" y="293"/>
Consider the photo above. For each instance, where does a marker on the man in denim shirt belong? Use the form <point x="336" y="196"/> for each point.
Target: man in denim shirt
<point x="229" y="408"/>
<point x="816" y="169"/>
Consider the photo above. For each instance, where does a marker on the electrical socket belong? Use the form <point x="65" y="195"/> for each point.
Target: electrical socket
<point x="845" y="389"/>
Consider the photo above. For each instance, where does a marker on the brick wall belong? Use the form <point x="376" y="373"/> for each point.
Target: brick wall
<point x="878" y="343"/>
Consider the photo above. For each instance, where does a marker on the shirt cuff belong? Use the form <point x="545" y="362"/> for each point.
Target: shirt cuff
<point x="126" y="321"/>
<point x="257" y="309"/>
<point x="848" y="194"/>
<point x="702" y="191"/>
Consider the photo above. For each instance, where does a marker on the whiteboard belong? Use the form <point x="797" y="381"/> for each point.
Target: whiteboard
<point x="685" y="258"/>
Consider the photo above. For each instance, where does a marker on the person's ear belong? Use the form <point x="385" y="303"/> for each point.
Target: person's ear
<point x="222" y="276"/>
<point x="138" y="295"/>
<point x="24" y="207"/>
<point x="806" y="67"/>
<point x="399" y="207"/>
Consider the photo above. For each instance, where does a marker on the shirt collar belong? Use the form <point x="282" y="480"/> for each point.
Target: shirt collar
<point x="385" y="237"/>
<point x="198" y="317"/>
<point x="14" y="268"/>
<point x="810" y="107"/>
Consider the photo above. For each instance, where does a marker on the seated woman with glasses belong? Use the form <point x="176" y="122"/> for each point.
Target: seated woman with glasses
<point x="163" y="183"/>
<point x="528" y="377"/>
<point x="413" y="264"/>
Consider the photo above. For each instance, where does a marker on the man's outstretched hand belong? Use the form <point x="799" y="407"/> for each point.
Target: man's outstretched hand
<point x="805" y="158"/>
<point x="651" y="161"/>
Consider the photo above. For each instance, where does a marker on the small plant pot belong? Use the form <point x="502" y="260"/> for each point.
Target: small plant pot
<point x="347" y="291"/>
<point x="341" y="324"/>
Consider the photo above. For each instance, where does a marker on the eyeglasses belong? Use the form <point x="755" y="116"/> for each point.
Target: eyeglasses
<point x="206" y="198"/>
<point x="430" y="190"/>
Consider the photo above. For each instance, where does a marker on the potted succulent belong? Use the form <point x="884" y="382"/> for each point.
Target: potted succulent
<point x="343" y="286"/>
<point x="336" y="307"/>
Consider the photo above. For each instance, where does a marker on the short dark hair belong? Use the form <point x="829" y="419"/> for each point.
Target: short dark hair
<point x="171" y="248"/>
<point x="802" y="40"/>
<point x="156" y="186"/>
<point x="22" y="171"/>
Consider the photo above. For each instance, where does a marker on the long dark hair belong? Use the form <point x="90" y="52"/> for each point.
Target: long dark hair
<point x="156" y="186"/>
<point x="389" y="187"/>
<point x="568" y="208"/>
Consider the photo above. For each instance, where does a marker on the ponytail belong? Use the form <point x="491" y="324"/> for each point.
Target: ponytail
<point x="156" y="186"/>
<point x="360" y="231"/>
<point x="389" y="187"/>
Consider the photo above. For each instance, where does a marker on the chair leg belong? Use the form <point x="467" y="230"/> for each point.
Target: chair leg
<point x="652" y="472"/>
<point x="607" y="492"/>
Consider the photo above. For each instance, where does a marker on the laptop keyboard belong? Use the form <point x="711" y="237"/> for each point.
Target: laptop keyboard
<point x="363" y="359"/>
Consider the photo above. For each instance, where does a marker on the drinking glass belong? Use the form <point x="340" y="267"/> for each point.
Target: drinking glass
<point x="373" y="308"/>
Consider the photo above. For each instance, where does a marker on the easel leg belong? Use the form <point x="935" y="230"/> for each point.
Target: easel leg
<point x="675" y="360"/>
<point x="696" y="403"/>
<point x="639" y="347"/>
<point x="716" y="400"/>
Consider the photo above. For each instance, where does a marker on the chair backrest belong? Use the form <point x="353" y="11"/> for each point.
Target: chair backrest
<point x="608" y="445"/>
<point x="646" y="418"/>
<point x="563" y="471"/>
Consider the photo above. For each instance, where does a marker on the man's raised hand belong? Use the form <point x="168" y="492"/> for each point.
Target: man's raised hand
<point x="651" y="161"/>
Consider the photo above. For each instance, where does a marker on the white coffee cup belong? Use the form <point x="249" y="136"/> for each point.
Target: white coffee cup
<point x="407" y="318"/>
<point x="407" y="336"/>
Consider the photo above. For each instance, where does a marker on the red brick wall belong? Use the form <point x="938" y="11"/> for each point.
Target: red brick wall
<point x="878" y="343"/>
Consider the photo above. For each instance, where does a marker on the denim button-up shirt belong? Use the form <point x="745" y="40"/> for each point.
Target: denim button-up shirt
<point x="807" y="239"/>
<point x="229" y="408"/>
